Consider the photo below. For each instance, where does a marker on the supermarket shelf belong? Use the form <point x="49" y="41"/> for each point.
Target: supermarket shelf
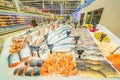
<point x="15" y="29"/>
<point x="7" y="8"/>
<point x="6" y="70"/>
<point x="10" y="12"/>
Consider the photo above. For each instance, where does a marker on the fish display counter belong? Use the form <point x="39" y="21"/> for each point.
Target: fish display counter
<point x="108" y="44"/>
<point x="47" y="54"/>
<point x="92" y="63"/>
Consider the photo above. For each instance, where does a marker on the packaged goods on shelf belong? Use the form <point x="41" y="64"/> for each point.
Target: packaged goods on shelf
<point x="36" y="10"/>
<point x="26" y="8"/>
<point x="2" y="3"/>
<point x="9" y="20"/>
<point x="32" y="9"/>
<point x="7" y="4"/>
<point x="13" y="22"/>
<point x="14" y="5"/>
<point x="88" y="26"/>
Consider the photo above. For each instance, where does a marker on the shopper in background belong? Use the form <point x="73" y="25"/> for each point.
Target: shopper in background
<point x="81" y="21"/>
<point x="34" y="23"/>
<point x="68" y="17"/>
<point x="76" y="23"/>
<point x="52" y="26"/>
<point x="63" y="22"/>
<point x="48" y="20"/>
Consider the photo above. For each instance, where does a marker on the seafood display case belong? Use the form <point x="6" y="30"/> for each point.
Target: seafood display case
<point x="45" y="53"/>
<point x="92" y="63"/>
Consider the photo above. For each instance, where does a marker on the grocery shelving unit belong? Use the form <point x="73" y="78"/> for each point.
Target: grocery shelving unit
<point x="12" y="19"/>
<point x="12" y="22"/>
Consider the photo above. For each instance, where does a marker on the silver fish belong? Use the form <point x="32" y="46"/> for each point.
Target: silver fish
<point x="90" y="73"/>
<point x="64" y="40"/>
<point x="56" y="32"/>
<point x="63" y="47"/>
<point x="57" y="38"/>
<point x="40" y="40"/>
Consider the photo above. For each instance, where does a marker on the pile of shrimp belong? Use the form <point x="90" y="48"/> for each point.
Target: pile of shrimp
<point x="58" y="64"/>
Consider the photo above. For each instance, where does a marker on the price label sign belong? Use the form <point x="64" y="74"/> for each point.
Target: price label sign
<point x="45" y="36"/>
<point x="77" y="38"/>
<point x="50" y="46"/>
<point x="80" y="53"/>
<point x="102" y="37"/>
<point x="35" y="48"/>
<point x="68" y="33"/>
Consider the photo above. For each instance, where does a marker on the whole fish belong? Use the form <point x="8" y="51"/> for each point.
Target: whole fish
<point x="87" y="70"/>
<point x="56" y="32"/>
<point x="39" y="40"/>
<point x="63" y="47"/>
<point x="64" y="41"/>
<point x="92" y="56"/>
<point x="33" y="43"/>
<point x="57" y="38"/>
<point x="52" y="36"/>
<point x="90" y="73"/>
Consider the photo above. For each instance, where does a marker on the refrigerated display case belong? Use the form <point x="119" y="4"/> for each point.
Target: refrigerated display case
<point x="96" y="16"/>
<point x="89" y="17"/>
<point x="91" y="63"/>
<point x="93" y="17"/>
<point x="82" y="18"/>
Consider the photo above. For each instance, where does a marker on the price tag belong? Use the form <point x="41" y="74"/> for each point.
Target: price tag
<point x="35" y="48"/>
<point x="50" y="46"/>
<point x="68" y="33"/>
<point x="80" y="53"/>
<point x="77" y="38"/>
<point x="94" y="26"/>
<point x="45" y="36"/>
<point x="102" y="37"/>
<point x="75" y="22"/>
